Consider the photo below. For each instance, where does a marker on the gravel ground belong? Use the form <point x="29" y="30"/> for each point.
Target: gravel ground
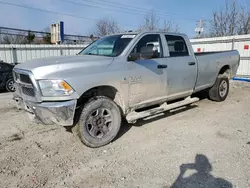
<point x="205" y="145"/>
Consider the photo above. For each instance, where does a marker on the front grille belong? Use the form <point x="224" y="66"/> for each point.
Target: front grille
<point x="25" y="78"/>
<point x="28" y="91"/>
<point x="24" y="85"/>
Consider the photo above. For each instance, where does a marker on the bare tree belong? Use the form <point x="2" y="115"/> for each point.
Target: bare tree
<point x="19" y="38"/>
<point x="46" y="36"/>
<point x="230" y="20"/>
<point x="170" y="27"/>
<point x="244" y="22"/>
<point x="150" y="23"/>
<point x="105" y="26"/>
<point x="225" y="20"/>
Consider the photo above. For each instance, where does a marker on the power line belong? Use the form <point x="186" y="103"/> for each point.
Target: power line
<point x="48" y="11"/>
<point x="116" y="5"/>
<point x="123" y="5"/>
<point x="136" y="8"/>
<point x="94" y="6"/>
<point x="71" y="15"/>
<point x="40" y="32"/>
<point x="125" y="9"/>
<point x="52" y="12"/>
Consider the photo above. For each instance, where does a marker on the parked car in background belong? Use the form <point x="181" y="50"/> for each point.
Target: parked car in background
<point x="6" y="77"/>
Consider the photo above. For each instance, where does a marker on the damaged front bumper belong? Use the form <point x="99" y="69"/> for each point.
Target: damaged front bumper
<point x="60" y="113"/>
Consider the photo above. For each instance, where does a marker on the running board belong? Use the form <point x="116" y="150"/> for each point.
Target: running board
<point x="133" y="116"/>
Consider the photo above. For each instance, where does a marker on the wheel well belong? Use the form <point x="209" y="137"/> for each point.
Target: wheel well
<point x="108" y="91"/>
<point x="225" y="70"/>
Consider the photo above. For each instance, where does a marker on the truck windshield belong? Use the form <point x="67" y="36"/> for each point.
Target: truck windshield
<point x="108" y="46"/>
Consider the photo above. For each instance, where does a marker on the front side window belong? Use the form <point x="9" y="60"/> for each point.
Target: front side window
<point x="177" y="46"/>
<point x="149" y="47"/>
<point x="108" y="46"/>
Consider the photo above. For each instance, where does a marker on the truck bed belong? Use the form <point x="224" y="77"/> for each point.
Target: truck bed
<point x="210" y="63"/>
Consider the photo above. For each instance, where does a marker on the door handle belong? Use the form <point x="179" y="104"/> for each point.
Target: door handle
<point x="162" y="66"/>
<point x="191" y="63"/>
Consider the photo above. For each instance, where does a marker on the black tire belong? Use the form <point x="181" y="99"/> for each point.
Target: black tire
<point x="220" y="89"/>
<point x="92" y="120"/>
<point x="10" y="85"/>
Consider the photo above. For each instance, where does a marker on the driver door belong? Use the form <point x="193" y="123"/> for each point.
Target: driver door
<point x="147" y="79"/>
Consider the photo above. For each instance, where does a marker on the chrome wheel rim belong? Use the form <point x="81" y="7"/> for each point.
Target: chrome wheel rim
<point x="223" y="88"/>
<point x="99" y="122"/>
<point x="11" y="85"/>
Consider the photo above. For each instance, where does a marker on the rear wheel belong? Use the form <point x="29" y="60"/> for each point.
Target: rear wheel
<point x="220" y="89"/>
<point x="99" y="122"/>
<point x="10" y="85"/>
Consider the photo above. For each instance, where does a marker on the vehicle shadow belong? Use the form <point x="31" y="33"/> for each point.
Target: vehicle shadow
<point x="142" y="122"/>
<point x="202" y="178"/>
<point x="126" y="126"/>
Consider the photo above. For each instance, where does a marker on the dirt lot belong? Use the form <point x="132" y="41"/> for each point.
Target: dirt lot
<point x="212" y="139"/>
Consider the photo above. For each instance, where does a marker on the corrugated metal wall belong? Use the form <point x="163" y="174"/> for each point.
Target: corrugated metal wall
<point x="19" y="53"/>
<point x="238" y="42"/>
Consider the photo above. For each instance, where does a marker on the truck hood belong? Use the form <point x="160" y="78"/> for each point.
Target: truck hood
<point x="51" y="67"/>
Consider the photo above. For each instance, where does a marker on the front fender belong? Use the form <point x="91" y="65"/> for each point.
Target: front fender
<point x="120" y="97"/>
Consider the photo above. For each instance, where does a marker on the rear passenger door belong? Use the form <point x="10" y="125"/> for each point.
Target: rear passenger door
<point x="182" y="67"/>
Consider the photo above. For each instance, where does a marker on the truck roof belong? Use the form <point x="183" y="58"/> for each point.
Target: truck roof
<point x="144" y="32"/>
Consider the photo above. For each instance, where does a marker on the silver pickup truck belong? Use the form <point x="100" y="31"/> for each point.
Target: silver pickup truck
<point x="129" y="75"/>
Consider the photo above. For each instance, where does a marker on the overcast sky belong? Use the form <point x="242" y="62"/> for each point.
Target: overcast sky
<point x="183" y="12"/>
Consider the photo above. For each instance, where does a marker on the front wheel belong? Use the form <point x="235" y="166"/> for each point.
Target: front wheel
<point x="99" y="122"/>
<point x="220" y="89"/>
<point x="10" y="85"/>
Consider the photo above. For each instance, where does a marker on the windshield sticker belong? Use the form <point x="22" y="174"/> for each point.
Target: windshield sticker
<point x="128" y="36"/>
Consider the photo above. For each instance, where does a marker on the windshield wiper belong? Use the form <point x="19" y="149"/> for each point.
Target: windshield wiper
<point x="92" y="53"/>
<point x="98" y="54"/>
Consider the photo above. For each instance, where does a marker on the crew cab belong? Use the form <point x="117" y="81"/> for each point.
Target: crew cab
<point x="125" y="75"/>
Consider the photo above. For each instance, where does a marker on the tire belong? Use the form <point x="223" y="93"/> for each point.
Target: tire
<point x="99" y="122"/>
<point x="10" y="85"/>
<point x="220" y="89"/>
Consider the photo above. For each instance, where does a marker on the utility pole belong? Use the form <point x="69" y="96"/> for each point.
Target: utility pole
<point x="199" y="28"/>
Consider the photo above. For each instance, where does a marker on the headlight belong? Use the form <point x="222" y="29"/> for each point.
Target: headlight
<point x="51" y="88"/>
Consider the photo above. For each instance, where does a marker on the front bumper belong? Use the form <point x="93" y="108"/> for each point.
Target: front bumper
<point x="60" y="113"/>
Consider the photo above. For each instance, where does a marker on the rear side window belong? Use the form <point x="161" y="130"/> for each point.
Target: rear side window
<point x="177" y="46"/>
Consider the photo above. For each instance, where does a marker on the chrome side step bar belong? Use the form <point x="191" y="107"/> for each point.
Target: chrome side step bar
<point x="133" y="116"/>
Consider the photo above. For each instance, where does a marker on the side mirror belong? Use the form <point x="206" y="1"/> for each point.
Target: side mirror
<point x="147" y="52"/>
<point x="134" y="56"/>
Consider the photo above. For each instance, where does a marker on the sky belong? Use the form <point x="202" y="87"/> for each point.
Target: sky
<point x="130" y="15"/>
